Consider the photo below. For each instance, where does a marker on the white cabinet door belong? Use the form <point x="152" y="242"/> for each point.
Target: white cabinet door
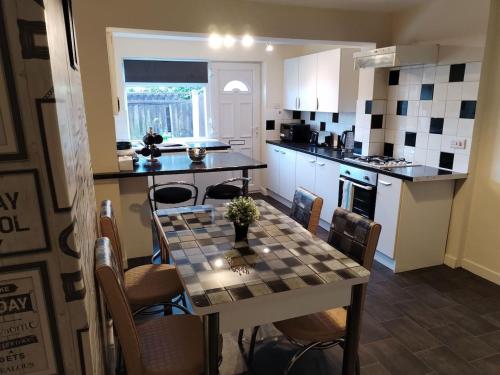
<point x="273" y="168"/>
<point x="328" y="81"/>
<point x="305" y="171"/>
<point x="327" y="186"/>
<point x="291" y="84"/>
<point x="308" y="66"/>
<point x="387" y="212"/>
<point x="287" y="173"/>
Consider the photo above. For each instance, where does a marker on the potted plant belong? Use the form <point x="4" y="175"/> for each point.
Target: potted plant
<point x="242" y="211"/>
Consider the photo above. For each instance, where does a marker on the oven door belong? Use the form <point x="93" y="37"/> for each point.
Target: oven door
<point x="363" y="197"/>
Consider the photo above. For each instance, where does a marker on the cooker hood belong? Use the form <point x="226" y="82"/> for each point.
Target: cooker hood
<point x="388" y="57"/>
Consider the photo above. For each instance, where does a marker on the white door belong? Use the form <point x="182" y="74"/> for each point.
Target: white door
<point x="308" y="66"/>
<point x="291" y="83"/>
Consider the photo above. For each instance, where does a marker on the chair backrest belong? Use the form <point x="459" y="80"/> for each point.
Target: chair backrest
<point x="164" y="249"/>
<point x="355" y="236"/>
<point x="306" y="209"/>
<point x="109" y="229"/>
<point x="108" y="276"/>
<point x="171" y="193"/>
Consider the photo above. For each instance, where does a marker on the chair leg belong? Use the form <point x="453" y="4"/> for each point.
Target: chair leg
<point x="299" y="354"/>
<point x="251" y="350"/>
<point x="204" y="198"/>
<point x="240" y="338"/>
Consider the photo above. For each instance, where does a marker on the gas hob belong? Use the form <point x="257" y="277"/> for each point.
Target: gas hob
<point x="381" y="161"/>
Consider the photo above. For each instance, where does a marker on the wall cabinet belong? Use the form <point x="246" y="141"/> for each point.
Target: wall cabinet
<point x="281" y="171"/>
<point x="323" y="82"/>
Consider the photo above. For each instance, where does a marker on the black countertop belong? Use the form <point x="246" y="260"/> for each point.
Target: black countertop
<point x="180" y="163"/>
<point x="416" y="173"/>
<point x="211" y="145"/>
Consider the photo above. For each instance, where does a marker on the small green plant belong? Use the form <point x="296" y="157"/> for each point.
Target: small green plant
<point x="242" y="211"/>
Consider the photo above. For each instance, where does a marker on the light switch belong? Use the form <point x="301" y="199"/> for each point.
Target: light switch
<point x="458" y="143"/>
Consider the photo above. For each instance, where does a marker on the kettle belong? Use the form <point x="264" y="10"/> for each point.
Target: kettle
<point x="347" y="140"/>
<point x="313" y="139"/>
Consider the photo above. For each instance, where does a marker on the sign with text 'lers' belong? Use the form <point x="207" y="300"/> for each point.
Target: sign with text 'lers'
<point x="22" y="221"/>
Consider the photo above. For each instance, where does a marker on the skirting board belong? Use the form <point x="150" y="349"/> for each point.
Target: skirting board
<point x="451" y="261"/>
<point x="482" y="271"/>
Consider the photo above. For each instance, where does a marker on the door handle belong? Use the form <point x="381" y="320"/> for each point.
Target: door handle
<point x="385" y="183"/>
<point x="369" y="188"/>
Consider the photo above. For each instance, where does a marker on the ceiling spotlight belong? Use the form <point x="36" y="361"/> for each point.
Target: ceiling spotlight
<point x="215" y="41"/>
<point x="269" y="47"/>
<point x="229" y="40"/>
<point x="247" y="40"/>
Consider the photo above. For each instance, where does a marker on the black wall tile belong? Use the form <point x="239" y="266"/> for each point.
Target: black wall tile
<point x="410" y="139"/>
<point x="312" y="116"/>
<point x="368" y="107"/>
<point x="302" y="121"/>
<point x="358" y="147"/>
<point x="322" y="126"/>
<point x="436" y="125"/>
<point x="335" y="117"/>
<point x="296" y="115"/>
<point x="446" y="160"/>
<point x="388" y="149"/>
<point x="457" y="72"/>
<point x="394" y="77"/>
<point x="468" y="109"/>
<point x="270" y="124"/>
<point x="402" y="108"/>
<point x="427" y="92"/>
<point x="377" y="121"/>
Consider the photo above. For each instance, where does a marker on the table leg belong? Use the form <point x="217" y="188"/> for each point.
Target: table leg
<point x="353" y="330"/>
<point x="244" y="173"/>
<point x="211" y="336"/>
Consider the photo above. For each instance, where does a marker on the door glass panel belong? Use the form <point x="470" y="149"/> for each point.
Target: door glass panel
<point x="235" y="86"/>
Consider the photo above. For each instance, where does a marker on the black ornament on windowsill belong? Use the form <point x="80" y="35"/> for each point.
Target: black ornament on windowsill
<point x="150" y="149"/>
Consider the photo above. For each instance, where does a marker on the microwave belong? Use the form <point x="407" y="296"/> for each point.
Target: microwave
<point x="298" y="133"/>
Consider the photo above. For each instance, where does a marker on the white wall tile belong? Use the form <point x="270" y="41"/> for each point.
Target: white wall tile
<point x="470" y="90"/>
<point x="422" y="140"/>
<point x="391" y="122"/>
<point x="409" y="153"/>
<point x="429" y="74"/>
<point x="390" y="136"/>
<point x="452" y="108"/>
<point x="425" y="108"/>
<point x="363" y="122"/>
<point x="411" y="124"/>
<point x="379" y="107"/>
<point x="392" y="93"/>
<point x="424" y="124"/>
<point x="440" y="91"/>
<point x="446" y="143"/>
<point x="472" y="71"/>
<point x="413" y="107"/>
<point x="454" y="91"/>
<point x="400" y="137"/>
<point x="401" y="123"/>
<point x="404" y="76"/>
<point x="414" y="92"/>
<point x="442" y="73"/>
<point x="461" y="163"/>
<point x="377" y="135"/>
<point x="365" y="149"/>
<point x="465" y="127"/>
<point x="434" y="142"/>
<point x="392" y="106"/>
<point x="415" y="75"/>
<point x="360" y="107"/>
<point x="399" y="151"/>
<point x="403" y="91"/>
<point x="450" y="126"/>
<point x="420" y="156"/>
<point x="432" y="158"/>
<point x="376" y="149"/>
<point x="438" y="108"/>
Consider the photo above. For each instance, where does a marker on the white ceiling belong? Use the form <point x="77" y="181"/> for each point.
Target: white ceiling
<point x="366" y="5"/>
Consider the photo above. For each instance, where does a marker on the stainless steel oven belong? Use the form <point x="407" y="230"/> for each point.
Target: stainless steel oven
<point x="358" y="190"/>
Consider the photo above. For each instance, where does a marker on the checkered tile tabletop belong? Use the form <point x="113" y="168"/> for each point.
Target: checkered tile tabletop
<point x="280" y="255"/>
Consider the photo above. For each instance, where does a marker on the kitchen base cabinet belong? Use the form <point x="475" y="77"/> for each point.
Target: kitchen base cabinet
<point x="305" y="171"/>
<point x="281" y="171"/>
<point x="415" y="226"/>
<point x="326" y="185"/>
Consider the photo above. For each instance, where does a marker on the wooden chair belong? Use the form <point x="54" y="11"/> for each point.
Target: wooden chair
<point x="306" y="209"/>
<point x="148" y="284"/>
<point x="356" y="237"/>
<point x="164" y="345"/>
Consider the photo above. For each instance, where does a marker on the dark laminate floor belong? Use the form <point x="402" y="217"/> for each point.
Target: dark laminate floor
<point x="431" y="321"/>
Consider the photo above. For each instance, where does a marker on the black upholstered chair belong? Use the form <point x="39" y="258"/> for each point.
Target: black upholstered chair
<point x="357" y="238"/>
<point x="306" y="209"/>
<point x="226" y="189"/>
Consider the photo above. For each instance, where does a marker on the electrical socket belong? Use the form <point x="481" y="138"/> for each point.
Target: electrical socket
<point x="458" y="143"/>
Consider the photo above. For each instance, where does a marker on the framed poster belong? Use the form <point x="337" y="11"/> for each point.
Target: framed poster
<point x="23" y="225"/>
<point x="12" y="146"/>
<point x="29" y="342"/>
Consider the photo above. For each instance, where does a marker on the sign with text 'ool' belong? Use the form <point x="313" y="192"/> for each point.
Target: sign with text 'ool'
<point x="22" y="219"/>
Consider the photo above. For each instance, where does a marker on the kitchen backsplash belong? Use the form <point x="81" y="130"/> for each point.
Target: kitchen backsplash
<point x="428" y="117"/>
<point x="327" y="123"/>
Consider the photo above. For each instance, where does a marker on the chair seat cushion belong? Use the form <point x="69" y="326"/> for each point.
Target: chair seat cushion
<point x="225" y="191"/>
<point x="173" y="345"/>
<point x="152" y="283"/>
<point x="172" y="195"/>
<point x="324" y="326"/>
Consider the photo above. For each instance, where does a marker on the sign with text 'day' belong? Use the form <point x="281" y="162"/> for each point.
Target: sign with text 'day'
<point x="22" y="218"/>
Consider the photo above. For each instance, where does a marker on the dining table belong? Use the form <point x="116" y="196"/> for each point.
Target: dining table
<point x="280" y="271"/>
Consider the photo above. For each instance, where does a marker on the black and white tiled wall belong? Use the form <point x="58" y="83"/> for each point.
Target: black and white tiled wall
<point x="428" y="108"/>
<point x="326" y="123"/>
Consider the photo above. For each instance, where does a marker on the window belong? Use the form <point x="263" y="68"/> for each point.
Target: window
<point x="169" y="96"/>
<point x="172" y="110"/>
<point x="235" y="86"/>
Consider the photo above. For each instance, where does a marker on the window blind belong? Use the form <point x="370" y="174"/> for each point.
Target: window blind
<point x="166" y="71"/>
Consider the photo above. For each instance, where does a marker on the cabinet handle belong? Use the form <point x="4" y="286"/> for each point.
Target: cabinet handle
<point x="276" y="150"/>
<point x="321" y="164"/>
<point x="312" y="161"/>
<point x="296" y="102"/>
<point x="283" y="152"/>
<point x="299" y="104"/>
<point x="385" y="183"/>
<point x="317" y="104"/>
